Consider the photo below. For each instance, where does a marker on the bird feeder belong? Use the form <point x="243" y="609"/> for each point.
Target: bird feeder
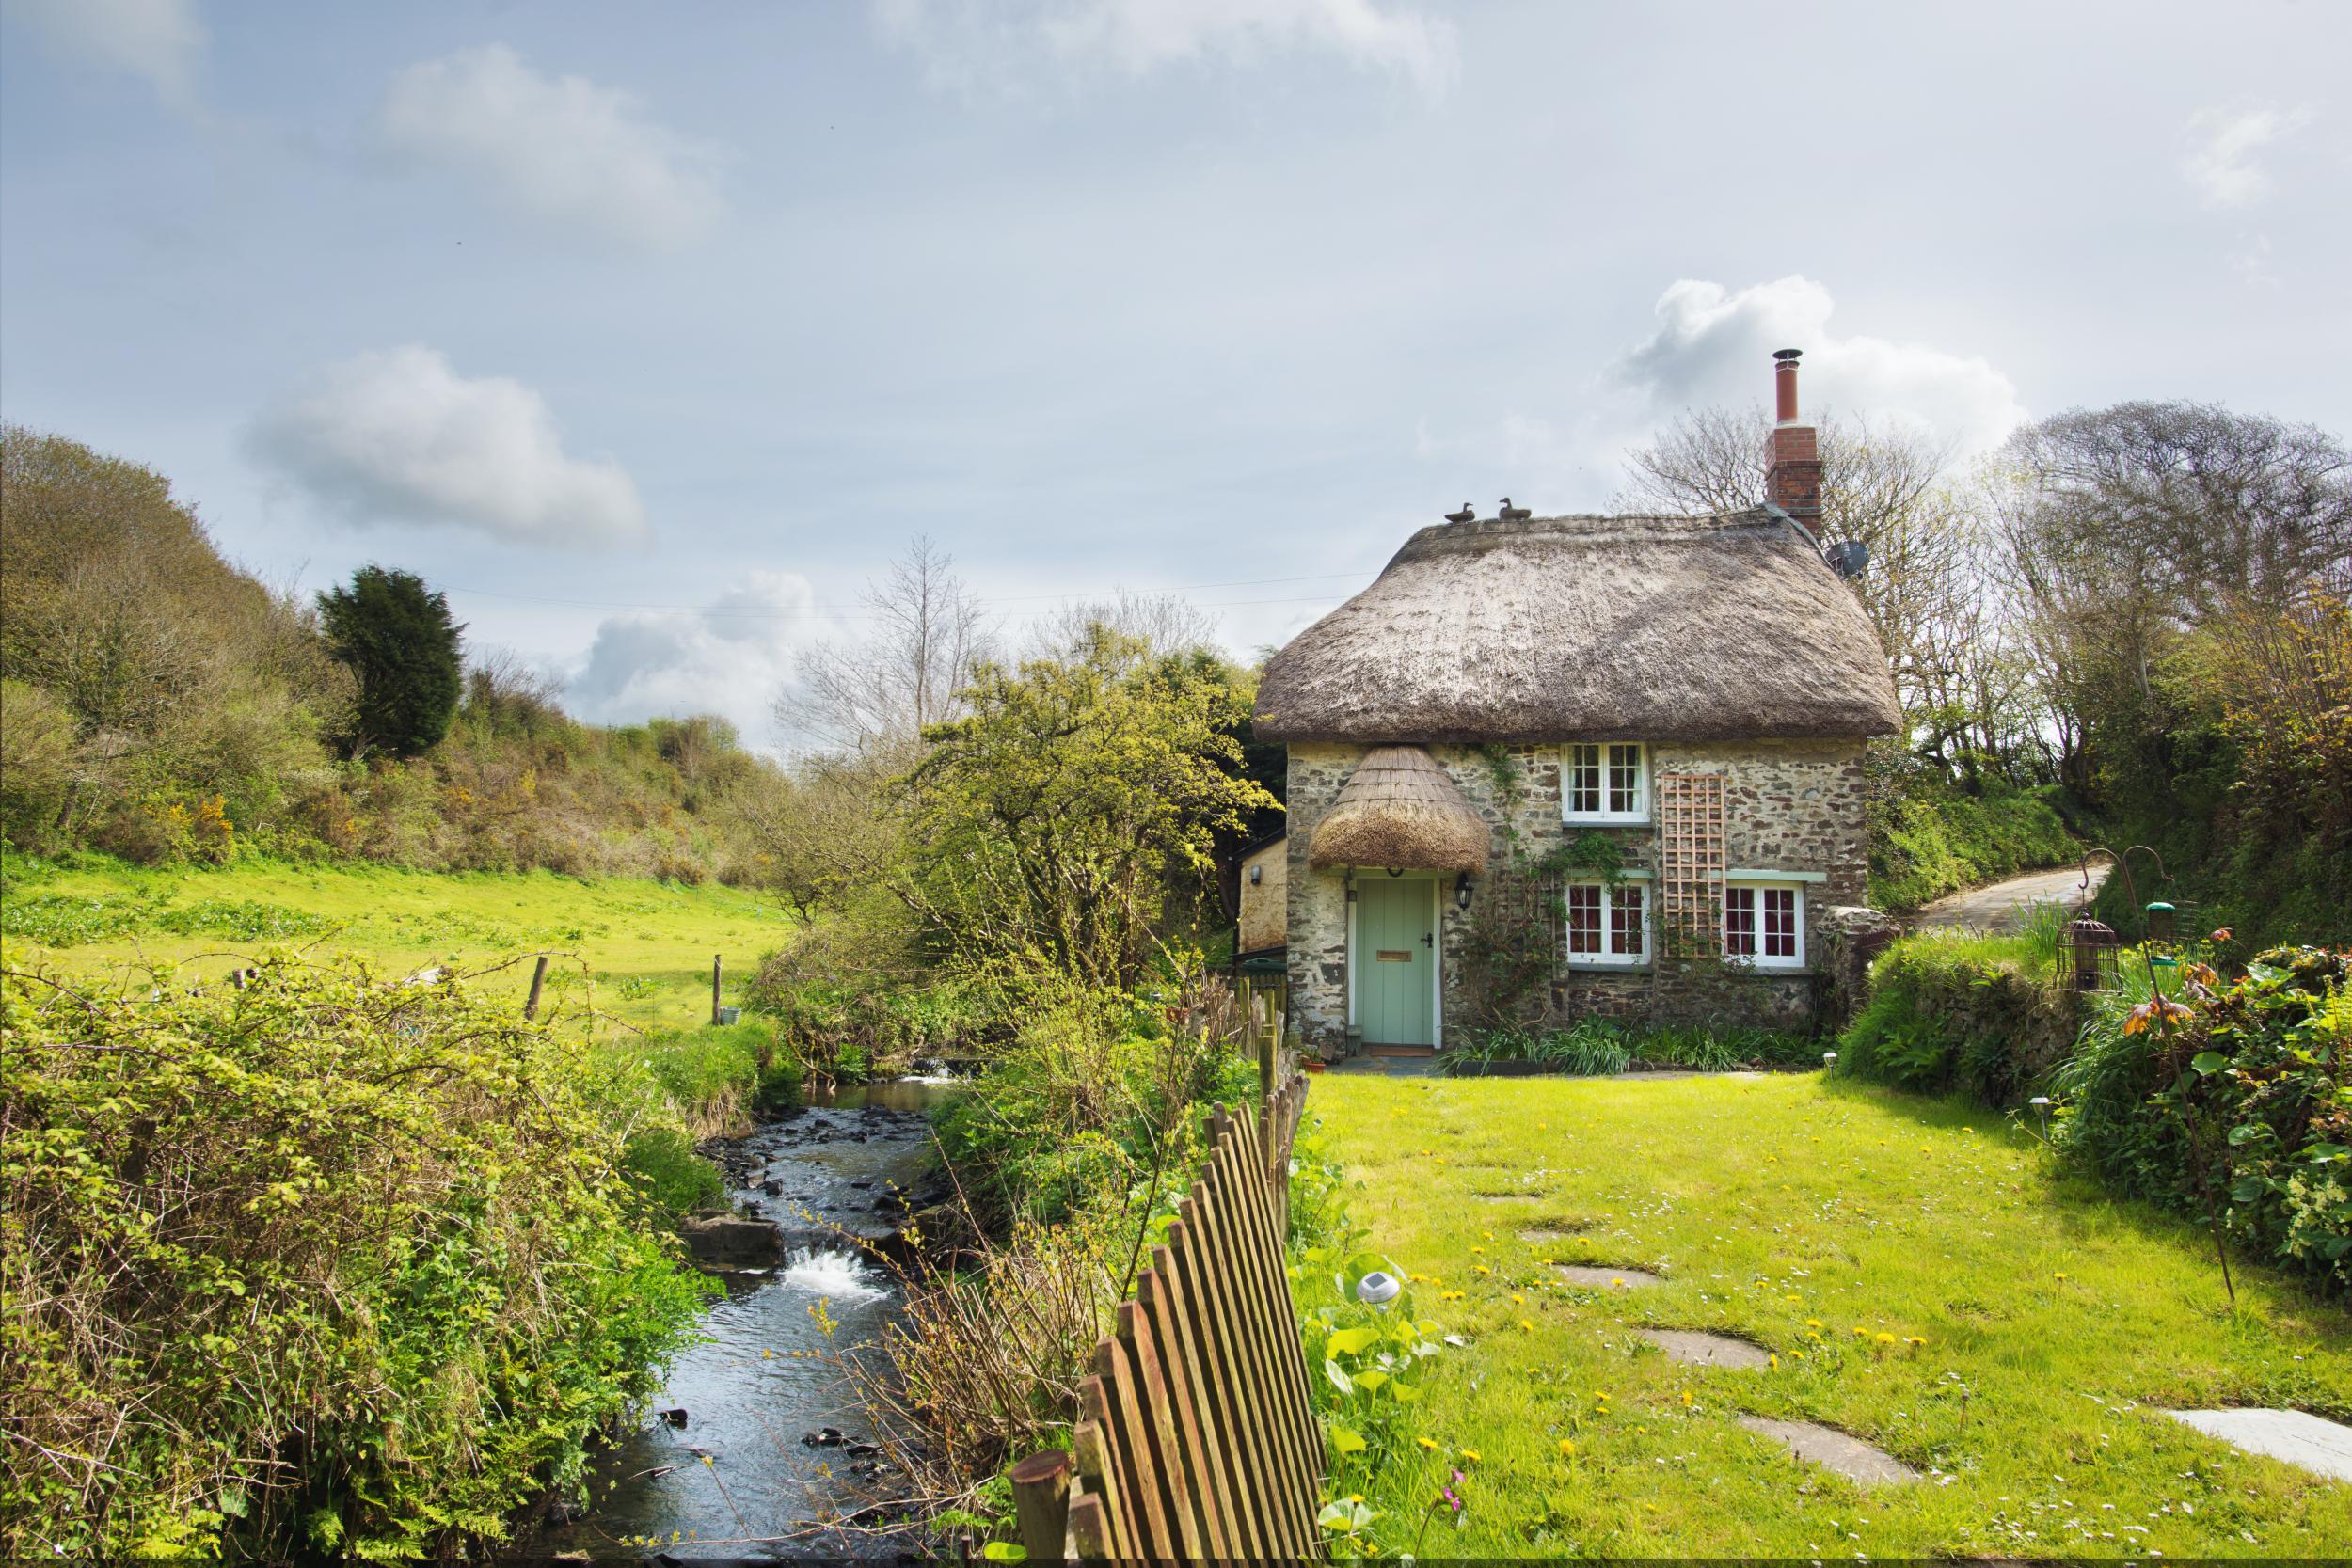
<point x="2164" y="922"/>
<point x="2087" y="956"/>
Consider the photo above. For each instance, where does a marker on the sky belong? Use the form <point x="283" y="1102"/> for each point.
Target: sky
<point x="652" y="334"/>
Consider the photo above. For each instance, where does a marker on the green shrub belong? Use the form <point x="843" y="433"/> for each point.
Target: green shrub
<point x="675" y="1179"/>
<point x="1929" y="838"/>
<point x="248" y="920"/>
<point x="58" y="920"/>
<point x="322" y="1265"/>
<point x="2240" y="1100"/>
<point x="1949" y="1010"/>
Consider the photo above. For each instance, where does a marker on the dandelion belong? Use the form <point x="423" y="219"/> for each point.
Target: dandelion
<point x="1861" y="1334"/>
<point x="1478" y="1252"/>
<point x="1914" y="1340"/>
<point x="1813" y="1322"/>
<point x="2061" y="1274"/>
<point x="1427" y="1443"/>
<point x="1618" y="1282"/>
<point x="1567" y="1449"/>
<point x="1517" y="1300"/>
<point x="1886" y="1338"/>
<point x="1686" y="1399"/>
<point x="1483" y="1269"/>
<point x="1774" y="1360"/>
<point x="1793" y="1301"/>
<point x="1470" y="1456"/>
<point x="1526" y="1325"/>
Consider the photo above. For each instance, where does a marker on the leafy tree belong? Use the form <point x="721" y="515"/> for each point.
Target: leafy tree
<point x="401" y="648"/>
<point x="1047" y="828"/>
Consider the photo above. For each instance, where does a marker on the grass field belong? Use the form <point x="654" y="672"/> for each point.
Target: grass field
<point x="643" y="949"/>
<point x="1925" y="1279"/>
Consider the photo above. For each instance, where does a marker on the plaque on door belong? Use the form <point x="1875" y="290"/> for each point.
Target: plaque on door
<point x="1396" y="954"/>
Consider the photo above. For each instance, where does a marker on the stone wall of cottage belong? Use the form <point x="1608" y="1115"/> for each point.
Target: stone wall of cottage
<point x="1788" y="806"/>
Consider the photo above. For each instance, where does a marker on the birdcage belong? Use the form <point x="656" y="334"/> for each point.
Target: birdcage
<point x="2087" y="956"/>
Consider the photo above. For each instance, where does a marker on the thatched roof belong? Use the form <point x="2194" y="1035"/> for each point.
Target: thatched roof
<point x="1588" y="628"/>
<point x="1398" y="810"/>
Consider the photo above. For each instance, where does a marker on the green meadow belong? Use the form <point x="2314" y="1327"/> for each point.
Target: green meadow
<point x="1922" y="1276"/>
<point x="640" y="950"/>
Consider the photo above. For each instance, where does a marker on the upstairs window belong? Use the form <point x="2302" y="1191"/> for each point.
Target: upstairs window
<point x="1605" y="782"/>
<point x="1764" y="923"/>
<point x="1607" y="925"/>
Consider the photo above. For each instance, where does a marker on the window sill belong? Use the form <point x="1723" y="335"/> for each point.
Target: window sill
<point x="1607" y="819"/>
<point x="1608" y="966"/>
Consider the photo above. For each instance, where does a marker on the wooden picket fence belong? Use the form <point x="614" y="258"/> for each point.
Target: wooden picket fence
<point x="1195" y="1439"/>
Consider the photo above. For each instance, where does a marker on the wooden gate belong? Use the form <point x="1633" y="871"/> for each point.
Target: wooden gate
<point x="1195" y="1438"/>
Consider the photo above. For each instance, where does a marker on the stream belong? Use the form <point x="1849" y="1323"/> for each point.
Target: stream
<point x="771" y="1438"/>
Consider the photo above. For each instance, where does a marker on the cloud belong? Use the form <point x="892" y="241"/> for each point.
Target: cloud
<point x="2219" y="165"/>
<point x="971" y="42"/>
<point x="159" y="41"/>
<point x="400" y="437"/>
<point x="729" y="657"/>
<point x="561" y="149"/>
<point x="1713" y="346"/>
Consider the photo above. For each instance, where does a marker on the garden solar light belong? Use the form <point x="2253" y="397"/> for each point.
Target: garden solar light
<point x="1829" y="1061"/>
<point x="2041" y="1104"/>
<point x="1377" y="1289"/>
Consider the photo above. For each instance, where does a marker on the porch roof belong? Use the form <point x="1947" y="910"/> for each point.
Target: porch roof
<point x="1400" y="812"/>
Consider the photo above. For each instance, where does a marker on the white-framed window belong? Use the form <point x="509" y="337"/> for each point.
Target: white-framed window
<point x="1605" y="781"/>
<point x="1607" y="925"/>
<point x="1764" y="923"/>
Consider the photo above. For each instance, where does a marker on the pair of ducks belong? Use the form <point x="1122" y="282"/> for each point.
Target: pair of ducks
<point x="1510" y="514"/>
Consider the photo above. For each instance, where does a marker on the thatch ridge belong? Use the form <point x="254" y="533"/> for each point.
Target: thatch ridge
<point x="1589" y="629"/>
<point x="1399" y="810"/>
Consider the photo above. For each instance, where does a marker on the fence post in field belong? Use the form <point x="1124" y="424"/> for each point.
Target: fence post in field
<point x="1041" y="1499"/>
<point x="1269" y="1039"/>
<point x="714" y="987"/>
<point x="538" y="978"/>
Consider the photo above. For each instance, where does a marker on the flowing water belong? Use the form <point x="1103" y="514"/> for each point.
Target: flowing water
<point x="738" y="1479"/>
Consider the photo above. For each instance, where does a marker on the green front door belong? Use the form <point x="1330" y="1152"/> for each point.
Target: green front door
<point x="1396" y="958"/>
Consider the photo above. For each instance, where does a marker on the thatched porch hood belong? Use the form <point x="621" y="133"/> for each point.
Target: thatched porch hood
<point x="1398" y="810"/>
<point x="1588" y="628"/>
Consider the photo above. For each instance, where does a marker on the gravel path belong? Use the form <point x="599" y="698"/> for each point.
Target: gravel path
<point x="2001" y="906"/>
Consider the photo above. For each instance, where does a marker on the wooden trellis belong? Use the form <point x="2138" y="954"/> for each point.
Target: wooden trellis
<point x="1690" y="864"/>
<point x="1195" y="1439"/>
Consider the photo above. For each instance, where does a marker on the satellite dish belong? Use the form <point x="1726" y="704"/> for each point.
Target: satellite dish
<point x="1849" y="559"/>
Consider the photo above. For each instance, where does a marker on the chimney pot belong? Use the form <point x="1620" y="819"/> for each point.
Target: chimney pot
<point x="1792" y="475"/>
<point x="1784" y="384"/>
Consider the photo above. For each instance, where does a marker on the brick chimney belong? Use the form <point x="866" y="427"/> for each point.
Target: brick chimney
<point x="1792" y="474"/>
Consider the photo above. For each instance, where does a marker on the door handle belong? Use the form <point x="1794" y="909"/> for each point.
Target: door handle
<point x="1429" y="941"/>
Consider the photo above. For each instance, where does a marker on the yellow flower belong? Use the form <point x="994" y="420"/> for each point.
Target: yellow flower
<point x="1685" y="1396"/>
<point x="1470" y="1456"/>
<point x="1517" y="1300"/>
<point x="1426" y="1444"/>
<point x="1813" y="1322"/>
<point x="1567" y="1449"/>
<point x="1478" y="1252"/>
<point x="1774" y="1360"/>
<point x="1861" y="1334"/>
<point x="1483" y="1269"/>
<point x="1619" y="1281"/>
<point x="1914" y="1340"/>
<point x="2059" y="1277"/>
<point x="1793" y="1301"/>
<point x="1886" y="1338"/>
<point x="1525" y="1324"/>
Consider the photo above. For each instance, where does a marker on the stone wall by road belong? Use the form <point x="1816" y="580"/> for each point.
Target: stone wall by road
<point x="1788" y="806"/>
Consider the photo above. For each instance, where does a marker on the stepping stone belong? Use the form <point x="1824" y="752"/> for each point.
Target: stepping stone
<point x="1606" y="1279"/>
<point x="1833" y="1450"/>
<point x="2295" y="1435"/>
<point x="1559" y="1231"/>
<point x="1706" y="1349"/>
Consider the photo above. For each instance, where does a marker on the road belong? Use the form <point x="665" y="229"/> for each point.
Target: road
<point x="2002" y="906"/>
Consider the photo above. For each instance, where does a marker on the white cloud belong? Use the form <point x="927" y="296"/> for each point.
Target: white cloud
<point x="729" y="657"/>
<point x="399" y="436"/>
<point x="1714" y="345"/>
<point x="2251" y="263"/>
<point x="968" y="42"/>
<point x="159" y="41"/>
<point x="562" y="148"/>
<point x="2220" y="164"/>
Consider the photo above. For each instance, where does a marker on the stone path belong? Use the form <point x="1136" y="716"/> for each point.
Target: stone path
<point x="1833" y="1450"/>
<point x="2002" y="906"/>
<point x="1620" y="1279"/>
<point x="2295" y="1435"/>
<point x="1694" y="1349"/>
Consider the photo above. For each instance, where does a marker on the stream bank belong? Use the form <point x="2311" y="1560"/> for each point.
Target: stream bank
<point x="754" y="1432"/>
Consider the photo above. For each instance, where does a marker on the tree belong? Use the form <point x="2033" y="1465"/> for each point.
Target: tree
<point x="397" y="639"/>
<point x="880" y="692"/>
<point x="1047" y="828"/>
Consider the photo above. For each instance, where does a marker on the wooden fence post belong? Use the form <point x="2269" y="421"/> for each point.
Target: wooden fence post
<point x="538" y="978"/>
<point x="1265" y="1031"/>
<point x="1041" y="1499"/>
<point x="714" y="987"/>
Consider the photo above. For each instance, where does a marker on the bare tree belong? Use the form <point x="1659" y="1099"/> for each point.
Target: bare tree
<point x="882" y="689"/>
<point x="1158" y="623"/>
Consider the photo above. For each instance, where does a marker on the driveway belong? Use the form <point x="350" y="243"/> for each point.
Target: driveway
<point x="2002" y="906"/>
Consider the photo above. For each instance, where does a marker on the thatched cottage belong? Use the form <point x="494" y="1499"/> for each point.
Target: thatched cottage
<point x="1628" y="747"/>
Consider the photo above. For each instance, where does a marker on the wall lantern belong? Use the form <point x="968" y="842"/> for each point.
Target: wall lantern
<point x="1257" y="875"/>
<point x="1461" y="890"/>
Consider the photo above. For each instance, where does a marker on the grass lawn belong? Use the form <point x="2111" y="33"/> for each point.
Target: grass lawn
<point x="645" y="947"/>
<point x="1778" y="1208"/>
